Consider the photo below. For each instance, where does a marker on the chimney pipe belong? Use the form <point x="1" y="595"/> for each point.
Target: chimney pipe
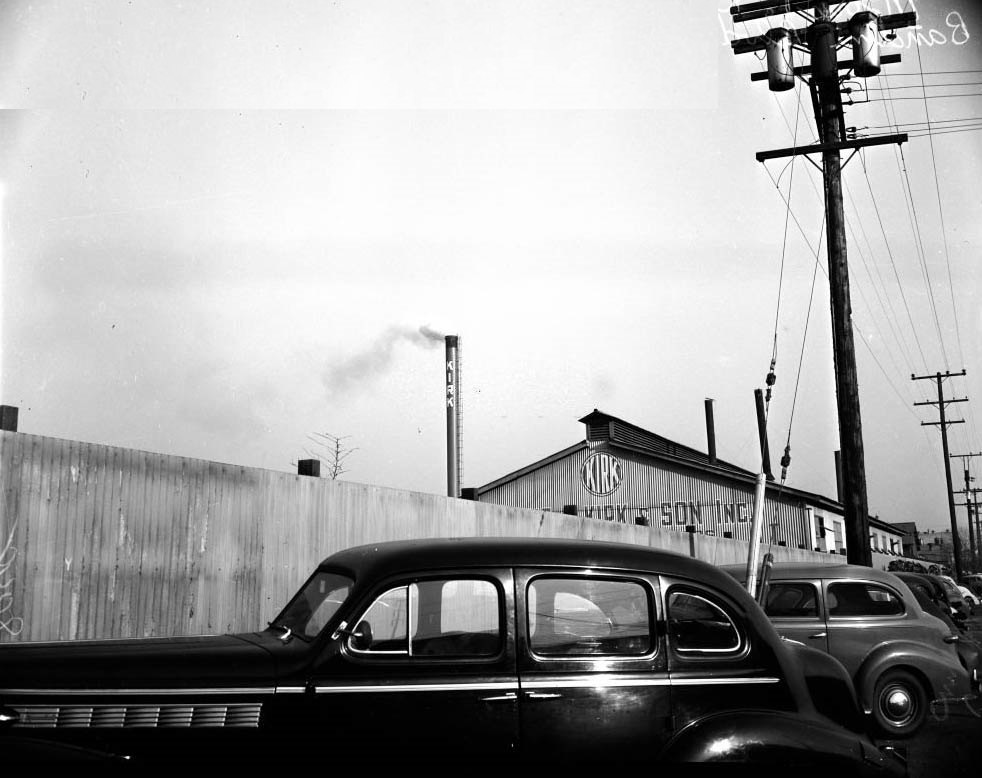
<point x="8" y="418"/>
<point x="453" y="415"/>
<point x="765" y="453"/>
<point x="710" y="431"/>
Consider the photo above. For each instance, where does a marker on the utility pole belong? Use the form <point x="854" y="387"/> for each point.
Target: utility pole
<point x="821" y="40"/>
<point x="968" y="502"/>
<point x="943" y="423"/>
<point x="978" y="521"/>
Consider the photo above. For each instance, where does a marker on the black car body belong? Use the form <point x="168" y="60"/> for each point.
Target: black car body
<point x="433" y="654"/>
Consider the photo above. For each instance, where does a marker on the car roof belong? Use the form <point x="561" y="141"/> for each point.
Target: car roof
<point x="393" y="557"/>
<point x="786" y="570"/>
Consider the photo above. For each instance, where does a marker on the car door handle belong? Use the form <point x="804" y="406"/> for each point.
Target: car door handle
<point x="817" y="635"/>
<point x="506" y="697"/>
<point x="542" y="695"/>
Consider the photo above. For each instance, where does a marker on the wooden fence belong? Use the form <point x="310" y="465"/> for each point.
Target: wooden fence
<point x="99" y="542"/>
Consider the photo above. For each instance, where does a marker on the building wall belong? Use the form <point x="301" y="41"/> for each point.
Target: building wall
<point x="101" y="542"/>
<point x="661" y="494"/>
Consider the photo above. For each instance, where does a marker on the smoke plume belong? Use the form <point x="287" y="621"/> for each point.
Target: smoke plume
<point x="377" y="358"/>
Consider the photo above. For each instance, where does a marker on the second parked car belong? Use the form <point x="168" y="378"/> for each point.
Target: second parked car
<point x="900" y="658"/>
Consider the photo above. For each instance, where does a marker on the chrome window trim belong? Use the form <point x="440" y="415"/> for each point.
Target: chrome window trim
<point x="577" y="683"/>
<point x="742" y="646"/>
<point x="149" y="692"/>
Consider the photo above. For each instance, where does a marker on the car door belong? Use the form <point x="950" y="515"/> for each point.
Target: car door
<point x="423" y="673"/>
<point x="862" y="615"/>
<point x="592" y="668"/>
<point x="796" y="610"/>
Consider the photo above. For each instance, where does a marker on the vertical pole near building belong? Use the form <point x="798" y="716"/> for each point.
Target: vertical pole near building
<point x="978" y="521"/>
<point x="765" y="451"/>
<point x="453" y="451"/>
<point x="944" y="423"/>
<point x="974" y="541"/>
<point x="823" y="44"/>
<point x="710" y="432"/>
<point x="822" y="38"/>
<point x="756" y="532"/>
<point x="971" y="529"/>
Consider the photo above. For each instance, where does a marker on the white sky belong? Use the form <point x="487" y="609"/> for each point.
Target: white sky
<point x="212" y="210"/>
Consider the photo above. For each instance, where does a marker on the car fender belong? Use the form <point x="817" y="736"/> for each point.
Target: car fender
<point x="769" y="737"/>
<point x="831" y="687"/>
<point x="943" y="675"/>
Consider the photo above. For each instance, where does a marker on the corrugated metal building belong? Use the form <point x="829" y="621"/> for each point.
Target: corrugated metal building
<point x="626" y="474"/>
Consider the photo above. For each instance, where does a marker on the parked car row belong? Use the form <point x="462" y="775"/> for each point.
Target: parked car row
<point x="470" y="653"/>
<point x="901" y="655"/>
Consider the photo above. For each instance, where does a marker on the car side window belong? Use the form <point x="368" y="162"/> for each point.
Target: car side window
<point x="857" y="598"/>
<point x="791" y="600"/>
<point x="588" y="617"/>
<point x="698" y="624"/>
<point x="447" y="617"/>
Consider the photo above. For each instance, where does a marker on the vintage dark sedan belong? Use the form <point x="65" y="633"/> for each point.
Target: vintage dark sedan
<point x="460" y="654"/>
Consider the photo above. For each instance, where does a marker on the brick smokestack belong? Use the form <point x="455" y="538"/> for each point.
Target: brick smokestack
<point x="453" y="417"/>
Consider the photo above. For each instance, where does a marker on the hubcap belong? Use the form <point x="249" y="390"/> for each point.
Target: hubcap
<point x="898" y="704"/>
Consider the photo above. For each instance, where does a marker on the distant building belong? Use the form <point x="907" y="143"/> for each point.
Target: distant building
<point x="911" y="541"/>
<point x="937" y="547"/>
<point x="623" y="473"/>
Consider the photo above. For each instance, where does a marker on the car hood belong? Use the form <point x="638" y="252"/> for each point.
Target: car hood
<point x="172" y="662"/>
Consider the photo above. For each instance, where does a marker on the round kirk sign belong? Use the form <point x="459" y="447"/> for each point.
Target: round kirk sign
<point x="601" y="473"/>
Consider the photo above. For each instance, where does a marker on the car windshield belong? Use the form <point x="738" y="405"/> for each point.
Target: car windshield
<point x="314" y="605"/>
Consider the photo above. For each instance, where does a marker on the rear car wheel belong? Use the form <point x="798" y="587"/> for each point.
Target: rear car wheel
<point x="900" y="703"/>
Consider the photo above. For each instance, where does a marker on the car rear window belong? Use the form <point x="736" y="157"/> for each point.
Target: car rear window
<point x="857" y="598"/>
<point x="697" y="624"/>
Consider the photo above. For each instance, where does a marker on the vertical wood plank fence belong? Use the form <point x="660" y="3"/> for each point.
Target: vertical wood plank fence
<point x="102" y="542"/>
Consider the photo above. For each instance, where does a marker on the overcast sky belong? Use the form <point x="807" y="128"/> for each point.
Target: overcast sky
<point x="225" y="223"/>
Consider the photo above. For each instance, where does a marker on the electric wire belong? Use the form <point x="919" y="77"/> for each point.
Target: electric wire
<point x="944" y="231"/>
<point x="889" y="107"/>
<point x="877" y="284"/>
<point x="893" y="263"/>
<point x="790" y="214"/>
<point x="922" y="86"/>
<point x="906" y="403"/>
<point x="922" y="258"/>
<point x="918" y="241"/>
<point x="918" y="124"/>
<point x="923" y="98"/>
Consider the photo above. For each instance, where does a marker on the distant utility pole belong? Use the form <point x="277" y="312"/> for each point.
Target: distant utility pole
<point x="943" y="423"/>
<point x="821" y="40"/>
<point x="967" y="491"/>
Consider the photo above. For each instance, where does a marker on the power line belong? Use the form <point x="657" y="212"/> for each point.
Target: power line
<point x="944" y="231"/>
<point x="922" y="98"/>
<point x="922" y="86"/>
